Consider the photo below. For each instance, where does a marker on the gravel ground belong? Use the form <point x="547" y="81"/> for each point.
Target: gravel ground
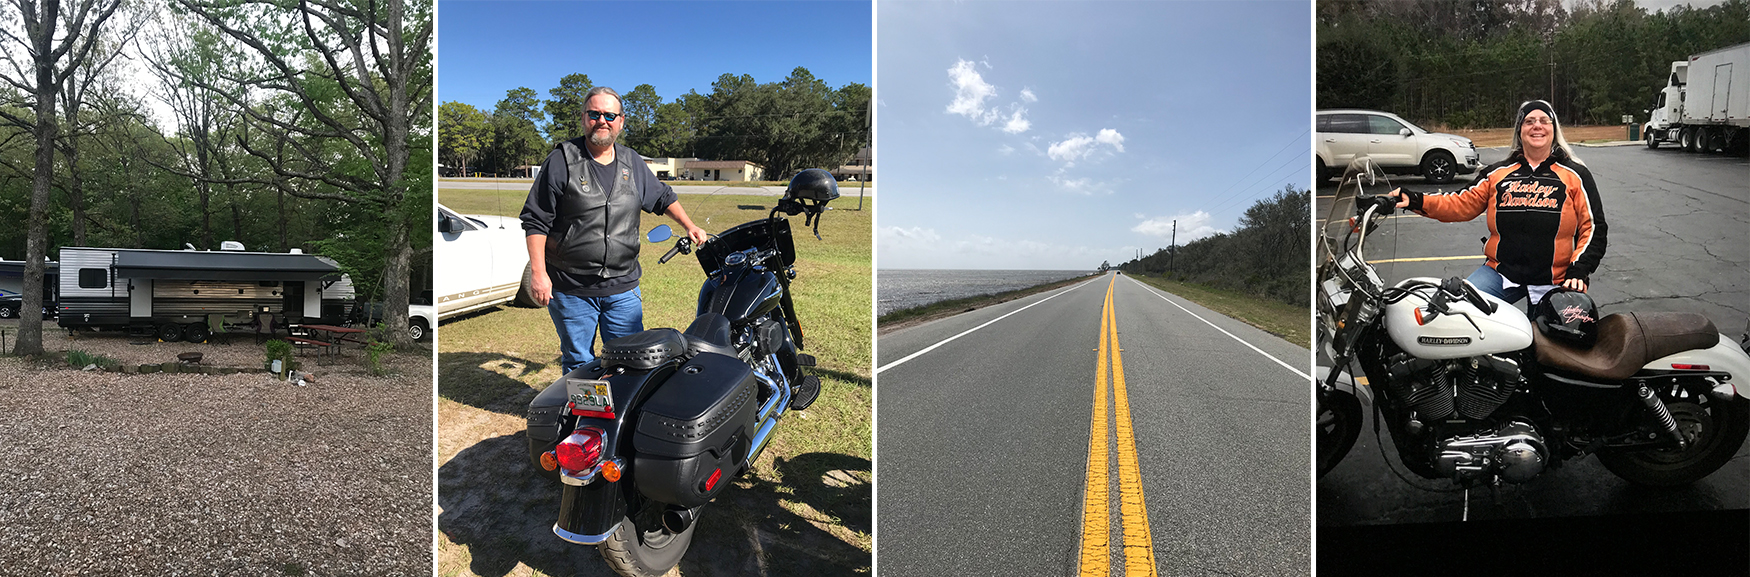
<point x="178" y="474"/>
<point x="243" y="351"/>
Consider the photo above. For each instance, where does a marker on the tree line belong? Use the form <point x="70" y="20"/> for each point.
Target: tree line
<point x="290" y="126"/>
<point x="1469" y="64"/>
<point x="1266" y="255"/>
<point x="799" y="122"/>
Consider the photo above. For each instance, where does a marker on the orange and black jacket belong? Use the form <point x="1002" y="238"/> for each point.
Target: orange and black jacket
<point x="1545" y="224"/>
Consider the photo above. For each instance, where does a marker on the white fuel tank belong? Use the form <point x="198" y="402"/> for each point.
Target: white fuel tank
<point x="1450" y="336"/>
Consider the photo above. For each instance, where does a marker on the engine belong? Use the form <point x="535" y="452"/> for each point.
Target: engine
<point x="1456" y="400"/>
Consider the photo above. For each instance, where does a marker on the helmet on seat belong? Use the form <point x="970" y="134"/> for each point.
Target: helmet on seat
<point x="1568" y="315"/>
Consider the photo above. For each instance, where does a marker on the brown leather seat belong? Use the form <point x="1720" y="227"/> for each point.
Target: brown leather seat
<point x="1626" y="342"/>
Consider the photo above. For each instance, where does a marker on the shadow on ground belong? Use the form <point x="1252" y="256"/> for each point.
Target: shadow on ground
<point x="489" y="381"/>
<point x="497" y="507"/>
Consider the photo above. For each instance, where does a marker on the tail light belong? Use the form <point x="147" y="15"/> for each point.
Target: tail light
<point x="581" y="451"/>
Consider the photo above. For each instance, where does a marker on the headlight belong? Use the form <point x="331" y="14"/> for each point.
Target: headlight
<point x="1462" y="142"/>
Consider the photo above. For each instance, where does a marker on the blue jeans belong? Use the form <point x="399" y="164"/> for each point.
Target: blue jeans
<point x="576" y="319"/>
<point x="1489" y="282"/>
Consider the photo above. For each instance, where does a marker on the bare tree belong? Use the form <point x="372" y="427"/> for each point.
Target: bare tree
<point x="376" y="55"/>
<point x="58" y="39"/>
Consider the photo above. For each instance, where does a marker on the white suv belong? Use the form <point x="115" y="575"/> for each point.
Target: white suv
<point x="1395" y="144"/>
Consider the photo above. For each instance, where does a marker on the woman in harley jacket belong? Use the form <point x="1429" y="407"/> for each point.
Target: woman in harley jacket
<point x="1546" y="224"/>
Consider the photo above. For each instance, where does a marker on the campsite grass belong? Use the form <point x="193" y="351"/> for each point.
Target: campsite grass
<point x="1275" y="317"/>
<point x="498" y="359"/>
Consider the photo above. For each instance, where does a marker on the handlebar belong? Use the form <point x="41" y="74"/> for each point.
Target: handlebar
<point x="682" y="246"/>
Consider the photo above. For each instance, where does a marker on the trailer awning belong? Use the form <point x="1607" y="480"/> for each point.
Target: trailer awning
<point x="244" y="266"/>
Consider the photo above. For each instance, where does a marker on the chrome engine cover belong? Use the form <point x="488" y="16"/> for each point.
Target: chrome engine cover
<point x="1514" y="452"/>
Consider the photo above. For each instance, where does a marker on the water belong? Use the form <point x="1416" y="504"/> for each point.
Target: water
<point x="903" y="289"/>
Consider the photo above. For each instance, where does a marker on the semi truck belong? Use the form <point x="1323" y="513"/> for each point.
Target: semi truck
<point x="1705" y="105"/>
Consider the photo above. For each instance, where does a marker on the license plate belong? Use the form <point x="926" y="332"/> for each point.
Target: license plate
<point x="589" y="395"/>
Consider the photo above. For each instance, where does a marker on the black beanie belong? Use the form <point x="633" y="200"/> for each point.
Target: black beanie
<point x="1531" y="105"/>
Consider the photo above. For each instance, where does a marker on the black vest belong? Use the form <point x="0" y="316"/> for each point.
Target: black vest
<point x="597" y="222"/>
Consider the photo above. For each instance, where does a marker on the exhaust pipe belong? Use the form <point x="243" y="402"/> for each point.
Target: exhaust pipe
<point x="677" y="519"/>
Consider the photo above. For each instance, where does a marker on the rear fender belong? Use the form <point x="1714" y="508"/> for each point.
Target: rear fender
<point x="590" y="509"/>
<point x="1724" y="357"/>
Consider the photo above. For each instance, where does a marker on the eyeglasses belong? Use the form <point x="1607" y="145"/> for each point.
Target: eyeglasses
<point x="1543" y="120"/>
<point x="598" y="115"/>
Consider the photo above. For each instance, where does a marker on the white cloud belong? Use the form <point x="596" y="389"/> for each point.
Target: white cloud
<point x="1191" y="227"/>
<point x="1006" y="150"/>
<point x="1079" y="146"/>
<point x="1027" y="95"/>
<point x="970" y="92"/>
<point x="1112" y="137"/>
<point x="1018" y="122"/>
<point x="1139" y="215"/>
<point x="1084" y="186"/>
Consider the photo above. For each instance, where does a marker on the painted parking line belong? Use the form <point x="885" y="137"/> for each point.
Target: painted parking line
<point x="1427" y="259"/>
<point x="969" y="331"/>
<point x="1096" y="545"/>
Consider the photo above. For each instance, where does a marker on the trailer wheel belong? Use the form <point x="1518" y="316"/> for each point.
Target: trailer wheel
<point x="170" y="332"/>
<point x="195" y="333"/>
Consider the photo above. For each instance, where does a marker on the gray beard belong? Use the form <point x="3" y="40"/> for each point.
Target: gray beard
<point x="601" y="142"/>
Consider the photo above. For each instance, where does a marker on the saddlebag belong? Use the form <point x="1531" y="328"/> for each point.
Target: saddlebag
<point x="694" y="432"/>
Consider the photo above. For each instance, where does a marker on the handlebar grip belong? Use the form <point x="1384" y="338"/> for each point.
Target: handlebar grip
<point x="680" y="246"/>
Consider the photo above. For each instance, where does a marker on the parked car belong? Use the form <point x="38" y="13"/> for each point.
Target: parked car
<point x="10" y="305"/>
<point x="485" y="263"/>
<point x="420" y="320"/>
<point x="1395" y="144"/>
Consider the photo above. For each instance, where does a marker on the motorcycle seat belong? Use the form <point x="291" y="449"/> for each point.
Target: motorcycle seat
<point x="1626" y="342"/>
<point x="709" y="334"/>
<point x="643" y="351"/>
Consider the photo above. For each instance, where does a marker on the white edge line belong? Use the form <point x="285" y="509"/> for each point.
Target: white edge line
<point x="986" y="324"/>
<point x="1223" y="331"/>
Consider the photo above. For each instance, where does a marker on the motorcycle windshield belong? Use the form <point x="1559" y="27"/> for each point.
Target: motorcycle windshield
<point x="773" y="233"/>
<point x="1361" y="177"/>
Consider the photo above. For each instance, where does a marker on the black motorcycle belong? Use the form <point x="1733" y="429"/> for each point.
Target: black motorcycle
<point x="662" y="421"/>
<point x="1473" y="392"/>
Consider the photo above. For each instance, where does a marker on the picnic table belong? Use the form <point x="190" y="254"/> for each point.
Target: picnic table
<point x="327" y="338"/>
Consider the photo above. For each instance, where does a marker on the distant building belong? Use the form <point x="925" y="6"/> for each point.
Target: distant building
<point x="738" y="170"/>
<point x="667" y="168"/>
<point x="858" y="167"/>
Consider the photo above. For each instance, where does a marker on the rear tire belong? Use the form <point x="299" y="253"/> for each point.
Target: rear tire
<point x="1715" y="430"/>
<point x="170" y="332"/>
<point x="1439" y="167"/>
<point x="636" y="553"/>
<point x="525" y="297"/>
<point x="195" y="333"/>
<point x="416" y="329"/>
<point x="1686" y="139"/>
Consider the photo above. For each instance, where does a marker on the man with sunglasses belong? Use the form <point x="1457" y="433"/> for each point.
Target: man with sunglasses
<point x="582" y="225"/>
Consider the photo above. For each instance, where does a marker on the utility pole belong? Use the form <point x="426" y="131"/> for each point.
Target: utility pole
<point x="1173" y="246"/>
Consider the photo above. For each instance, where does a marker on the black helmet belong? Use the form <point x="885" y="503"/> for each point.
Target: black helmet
<point x="813" y="184"/>
<point x="1568" y="315"/>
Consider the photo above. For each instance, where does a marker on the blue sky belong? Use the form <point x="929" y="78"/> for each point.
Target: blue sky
<point x="1041" y="135"/>
<point x="487" y="48"/>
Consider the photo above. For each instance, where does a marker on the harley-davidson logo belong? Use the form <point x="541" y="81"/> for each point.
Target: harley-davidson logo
<point x="1574" y="313"/>
<point x="1443" y="340"/>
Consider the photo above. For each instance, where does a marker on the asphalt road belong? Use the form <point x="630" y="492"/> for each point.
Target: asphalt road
<point x="984" y="440"/>
<point x="1679" y="227"/>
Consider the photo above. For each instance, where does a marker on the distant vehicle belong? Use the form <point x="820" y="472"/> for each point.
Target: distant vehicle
<point x="1704" y="106"/>
<point x="420" y="320"/>
<point x="485" y="263"/>
<point x="1394" y="144"/>
<point x="12" y="282"/>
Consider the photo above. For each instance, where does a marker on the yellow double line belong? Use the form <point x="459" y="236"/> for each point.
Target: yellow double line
<point x="1096" y="553"/>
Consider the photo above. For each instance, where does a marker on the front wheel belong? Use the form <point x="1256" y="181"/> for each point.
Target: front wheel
<point x="1439" y="167"/>
<point x="1652" y="142"/>
<point x="7" y="311"/>
<point x="645" y="552"/>
<point x="416" y="330"/>
<point x="1338" y="424"/>
<point x="1714" y="429"/>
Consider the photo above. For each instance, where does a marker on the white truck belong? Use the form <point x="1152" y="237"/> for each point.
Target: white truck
<point x="1705" y="105"/>
<point x="485" y="263"/>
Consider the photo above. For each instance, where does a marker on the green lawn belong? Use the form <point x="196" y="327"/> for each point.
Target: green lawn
<point x="1292" y="323"/>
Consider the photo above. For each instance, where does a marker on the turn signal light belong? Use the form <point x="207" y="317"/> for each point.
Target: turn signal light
<point x="1689" y="367"/>
<point x="549" y="461"/>
<point x="611" y="471"/>
<point x="580" y="451"/>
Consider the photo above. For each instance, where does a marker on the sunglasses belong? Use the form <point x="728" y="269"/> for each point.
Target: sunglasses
<point x="598" y="115"/>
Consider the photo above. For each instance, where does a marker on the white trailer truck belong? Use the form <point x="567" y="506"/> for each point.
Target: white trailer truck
<point x="1705" y="105"/>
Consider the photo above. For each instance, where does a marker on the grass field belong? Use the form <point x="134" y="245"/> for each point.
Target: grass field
<point x="1486" y="137"/>
<point x="1292" y="323"/>
<point x="810" y="491"/>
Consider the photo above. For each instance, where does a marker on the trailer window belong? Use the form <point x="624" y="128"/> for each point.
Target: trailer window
<point x="93" y="278"/>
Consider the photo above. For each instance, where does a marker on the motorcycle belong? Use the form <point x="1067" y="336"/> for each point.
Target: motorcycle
<point x="1473" y="393"/>
<point x="662" y="421"/>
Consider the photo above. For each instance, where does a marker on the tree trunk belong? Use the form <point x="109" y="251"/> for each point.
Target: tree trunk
<point x="30" y="319"/>
<point x="395" y="273"/>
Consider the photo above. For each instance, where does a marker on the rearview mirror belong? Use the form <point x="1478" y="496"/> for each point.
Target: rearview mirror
<point x="1403" y="132"/>
<point x="660" y="233"/>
